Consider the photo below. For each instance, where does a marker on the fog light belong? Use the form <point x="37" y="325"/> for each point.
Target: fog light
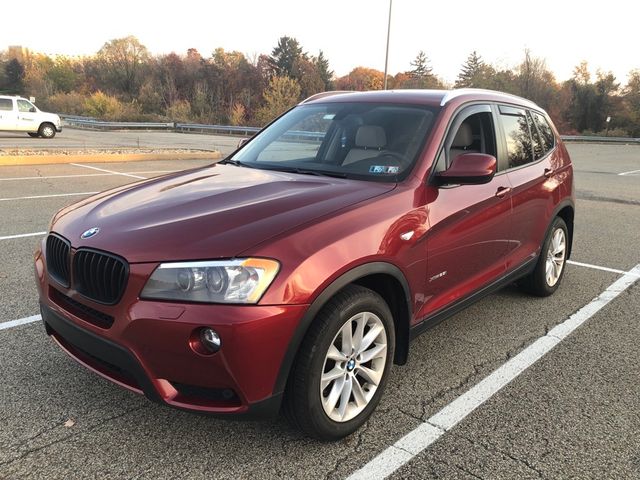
<point x="210" y="339"/>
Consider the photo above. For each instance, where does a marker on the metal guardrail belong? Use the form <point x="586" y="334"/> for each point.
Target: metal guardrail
<point x="93" y="124"/>
<point x="222" y="129"/>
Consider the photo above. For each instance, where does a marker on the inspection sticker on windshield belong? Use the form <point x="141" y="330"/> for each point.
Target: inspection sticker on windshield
<point x="390" y="170"/>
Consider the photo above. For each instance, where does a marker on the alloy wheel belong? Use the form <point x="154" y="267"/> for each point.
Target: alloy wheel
<point x="555" y="257"/>
<point x="353" y="367"/>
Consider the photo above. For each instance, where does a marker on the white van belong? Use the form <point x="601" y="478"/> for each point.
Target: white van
<point x="20" y="115"/>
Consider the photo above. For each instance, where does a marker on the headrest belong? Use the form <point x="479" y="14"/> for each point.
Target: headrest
<point x="463" y="137"/>
<point x="371" y="136"/>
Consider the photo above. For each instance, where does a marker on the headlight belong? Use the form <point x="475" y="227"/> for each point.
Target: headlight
<point x="224" y="281"/>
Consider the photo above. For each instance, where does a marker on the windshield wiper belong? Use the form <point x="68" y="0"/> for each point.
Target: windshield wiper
<point x="229" y="161"/>
<point x="303" y="171"/>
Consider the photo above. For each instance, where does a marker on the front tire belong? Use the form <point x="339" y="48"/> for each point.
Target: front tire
<point x="546" y="277"/>
<point x="47" y="130"/>
<point x="342" y="366"/>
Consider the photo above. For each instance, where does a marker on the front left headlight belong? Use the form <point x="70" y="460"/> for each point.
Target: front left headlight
<point x="241" y="280"/>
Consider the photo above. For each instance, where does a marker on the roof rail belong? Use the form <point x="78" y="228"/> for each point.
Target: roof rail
<point x="458" y="92"/>
<point x="330" y="93"/>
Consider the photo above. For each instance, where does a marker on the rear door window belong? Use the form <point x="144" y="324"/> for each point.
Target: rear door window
<point x="6" y="104"/>
<point x="517" y="135"/>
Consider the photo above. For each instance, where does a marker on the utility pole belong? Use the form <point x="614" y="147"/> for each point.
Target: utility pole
<point x="386" y="57"/>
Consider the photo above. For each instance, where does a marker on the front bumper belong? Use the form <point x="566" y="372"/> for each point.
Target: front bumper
<point x="147" y="349"/>
<point x="58" y="128"/>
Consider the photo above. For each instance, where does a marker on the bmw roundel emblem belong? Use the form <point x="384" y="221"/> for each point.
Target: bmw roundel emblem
<point x="92" y="232"/>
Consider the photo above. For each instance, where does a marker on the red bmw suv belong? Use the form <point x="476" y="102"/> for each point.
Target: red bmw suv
<point x="295" y="272"/>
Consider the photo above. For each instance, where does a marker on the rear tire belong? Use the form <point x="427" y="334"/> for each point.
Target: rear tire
<point x="47" y="130"/>
<point x="33" y="134"/>
<point x="546" y="277"/>
<point x="331" y="392"/>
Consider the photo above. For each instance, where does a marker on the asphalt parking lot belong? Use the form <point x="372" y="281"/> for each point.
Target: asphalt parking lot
<point x="573" y="413"/>
<point x="89" y="139"/>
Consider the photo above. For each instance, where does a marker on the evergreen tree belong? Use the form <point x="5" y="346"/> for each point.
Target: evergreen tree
<point x="421" y="66"/>
<point x="471" y="71"/>
<point x="284" y="56"/>
<point x="322" y="66"/>
<point x="14" y="76"/>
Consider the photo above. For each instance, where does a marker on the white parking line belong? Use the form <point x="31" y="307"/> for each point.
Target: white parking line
<point x="83" y="175"/>
<point x="598" y="267"/>
<point x="405" y="449"/>
<point x="21" y="321"/>
<point x="632" y="172"/>
<point x="23" y="235"/>
<point x="30" y="197"/>
<point x="109" y="171"/>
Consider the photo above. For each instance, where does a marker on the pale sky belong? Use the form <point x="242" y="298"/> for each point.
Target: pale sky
<point x="350" y="32"/>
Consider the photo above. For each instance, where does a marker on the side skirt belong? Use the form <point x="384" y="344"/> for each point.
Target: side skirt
<point x="434" y="319"/>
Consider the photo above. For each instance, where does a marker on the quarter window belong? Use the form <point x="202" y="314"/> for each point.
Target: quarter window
<point x="539" y="150"/>
<point x="516" y="129"/>
<point x="6" y="104"/>
<point x="546" y="134"/>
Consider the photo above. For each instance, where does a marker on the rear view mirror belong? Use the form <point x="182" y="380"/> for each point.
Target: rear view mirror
<point x="469" y="169"/>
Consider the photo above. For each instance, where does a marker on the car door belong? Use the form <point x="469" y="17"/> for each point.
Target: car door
<point x="470" y="225"/>
<point x="27" y="116"/>
<point x="531" y="160"/>
<point x="8" y="114"/>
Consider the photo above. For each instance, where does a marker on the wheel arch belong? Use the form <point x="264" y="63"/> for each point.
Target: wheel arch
<point x="566" y="211"/>
<point x="385" y="279"/>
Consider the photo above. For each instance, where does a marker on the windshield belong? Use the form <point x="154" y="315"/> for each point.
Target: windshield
<point x="368" y="141"/>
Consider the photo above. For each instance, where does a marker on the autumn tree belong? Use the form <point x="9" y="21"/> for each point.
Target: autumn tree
<point x="361" y="78"/>
<point x="282" y="94"/>
<point x="535" y="81"/>
<point x="123" y="60"/>
<point x="308" y="77"/>
<point x="631" y="99"/>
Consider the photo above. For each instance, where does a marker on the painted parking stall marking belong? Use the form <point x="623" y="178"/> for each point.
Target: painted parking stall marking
<point x="23" y="235"/>
<point x="20" y="321"/>
<point x="405" y="449"/>
<point x="112" y="172"/>
<point x="53" y="177"/>
<point x="632" y="172"/>
<point x="35" y="197"/>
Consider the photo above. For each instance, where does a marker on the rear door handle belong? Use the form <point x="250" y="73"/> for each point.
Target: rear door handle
<point x="548" y="172"/>
<point x="502" y="191"/>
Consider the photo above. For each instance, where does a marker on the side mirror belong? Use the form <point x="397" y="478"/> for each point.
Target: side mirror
<point x="32" y="109"/>
<point x="242" y="142"/>
<point x="469" y="169"/>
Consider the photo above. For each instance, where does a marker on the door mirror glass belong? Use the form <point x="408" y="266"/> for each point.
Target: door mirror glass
<point x="469" y="169"/>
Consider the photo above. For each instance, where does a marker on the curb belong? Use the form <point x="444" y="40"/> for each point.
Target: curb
<point x="104" y="158"/>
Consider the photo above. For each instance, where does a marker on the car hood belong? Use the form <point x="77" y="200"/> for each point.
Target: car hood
<point x="213" y="212"/>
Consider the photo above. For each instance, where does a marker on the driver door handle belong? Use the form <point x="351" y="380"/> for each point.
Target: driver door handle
<point x="502" y="191"/>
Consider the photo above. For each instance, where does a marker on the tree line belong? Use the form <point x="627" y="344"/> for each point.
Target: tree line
<point x="123" y="81"/>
